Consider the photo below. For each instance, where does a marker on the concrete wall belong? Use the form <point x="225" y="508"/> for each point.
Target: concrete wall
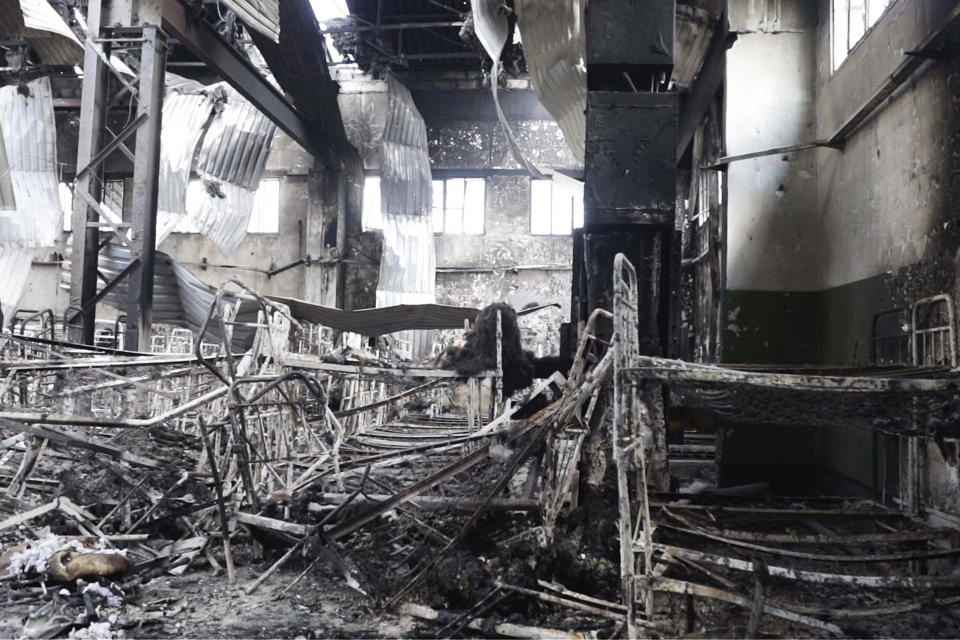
<point x="888" y="228"/>
<point x="888" y="233"/>
<point x="772" y="236"/>
<point x="875" y="223"/>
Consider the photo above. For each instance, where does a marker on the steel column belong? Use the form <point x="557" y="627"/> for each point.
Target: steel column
<point x="86" y="235"/>
<point x="143" y="206"/>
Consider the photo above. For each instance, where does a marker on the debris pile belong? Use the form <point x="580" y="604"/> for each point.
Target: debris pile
<point x="162" y="494"/>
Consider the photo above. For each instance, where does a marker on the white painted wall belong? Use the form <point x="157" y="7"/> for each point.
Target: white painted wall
<point x="772" y="210"/>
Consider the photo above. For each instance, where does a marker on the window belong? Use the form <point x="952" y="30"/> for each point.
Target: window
<point x="264" y="217"/>
<point x="554" y="210"/>
<point x="112" y="201"/>
<point x="371" y="217"/>
<point x="852" y="19"/>
<point x="458" y="206"/>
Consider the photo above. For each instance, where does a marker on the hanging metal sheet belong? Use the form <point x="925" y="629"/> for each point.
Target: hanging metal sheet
<point x="554" y="46"/>
<point x="492" y="30"/>
<point x="29" y="137"/>
<point x="408" y="271"/>
<point x="405" y="176"/>
<point x="187" y="107"/>
<point x="221" y="211"/>
<point x="43" y="28"/>
<point x="15" y="265"/>
<point x="262" y="16"/>
<point x="408" y="263"/>
<point x="237" y="144"/>
<point x="232" y="159"/>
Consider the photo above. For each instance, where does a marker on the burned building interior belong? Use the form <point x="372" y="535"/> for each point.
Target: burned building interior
<point x="479" y="318"/>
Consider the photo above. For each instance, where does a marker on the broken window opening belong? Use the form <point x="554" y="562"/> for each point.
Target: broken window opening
<point x="265" y="217"/>
<point x="852" y="21"/>
<point x="554" y="210"/>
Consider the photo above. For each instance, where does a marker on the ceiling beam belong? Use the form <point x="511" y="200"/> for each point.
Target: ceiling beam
<point x="203" y="41"/>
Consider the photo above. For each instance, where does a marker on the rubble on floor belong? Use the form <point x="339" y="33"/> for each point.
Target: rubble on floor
<point x="288" y="492"/>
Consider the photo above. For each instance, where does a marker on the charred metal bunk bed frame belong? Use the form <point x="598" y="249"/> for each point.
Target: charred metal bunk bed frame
<point x="750" y="555"/>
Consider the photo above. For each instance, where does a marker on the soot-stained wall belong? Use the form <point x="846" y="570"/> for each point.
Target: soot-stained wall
<point x="888" y="225"/>
<point x="880" y="231"/>
<point x="507" y="263"/>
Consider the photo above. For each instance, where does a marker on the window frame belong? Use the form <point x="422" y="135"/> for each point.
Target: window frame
<point x="463" y="212"/>
<point x="573" y="212"/>
<point x="836" y="64"/>
<point x="279" y="181"/>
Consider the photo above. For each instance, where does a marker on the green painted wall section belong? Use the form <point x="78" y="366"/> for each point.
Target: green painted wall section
<point x="770" y="327"/>
<point x="827" y="327"/>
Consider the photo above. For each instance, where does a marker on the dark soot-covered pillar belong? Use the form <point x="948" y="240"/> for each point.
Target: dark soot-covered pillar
<point x="630" y="168"/>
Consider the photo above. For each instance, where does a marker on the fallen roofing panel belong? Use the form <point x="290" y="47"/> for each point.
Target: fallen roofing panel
<point x="408" y="261"/>
<point x="405" y="177"/>
<point x="492" y="30"/>
<point x="15" y="264"/>
<point x="382" y="320"/>
<point x="179" y="297"/>
<point x="29" y="136"/>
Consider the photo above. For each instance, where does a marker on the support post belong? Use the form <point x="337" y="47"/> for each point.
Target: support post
<point x="86" y="235"/>
<point x="143" y="209"/>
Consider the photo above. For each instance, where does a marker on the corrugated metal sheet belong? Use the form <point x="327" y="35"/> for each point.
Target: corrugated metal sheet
<point x="15" y="264"/>
<point x="29" y="136"/>
<point x="221" y="211"/>
<point x="232" y="158"/>
<point x="262" y="16"/>
<point x="490" y="24"/>
<point x="7" y="200"/>
<point x="237" y="144"/>
<point x="554" y="46"/>
<point x="186" y="110"/>
<point x="44" y="28"/>
<point x="179" y="297"/>
<point x="694" y="31"/>
<point x="299" y="64"/>
<point x="408" y="262"/>
<point x="492" y="30"/>
<point x="405" y="176"/>
<point x="408" y="271"/>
